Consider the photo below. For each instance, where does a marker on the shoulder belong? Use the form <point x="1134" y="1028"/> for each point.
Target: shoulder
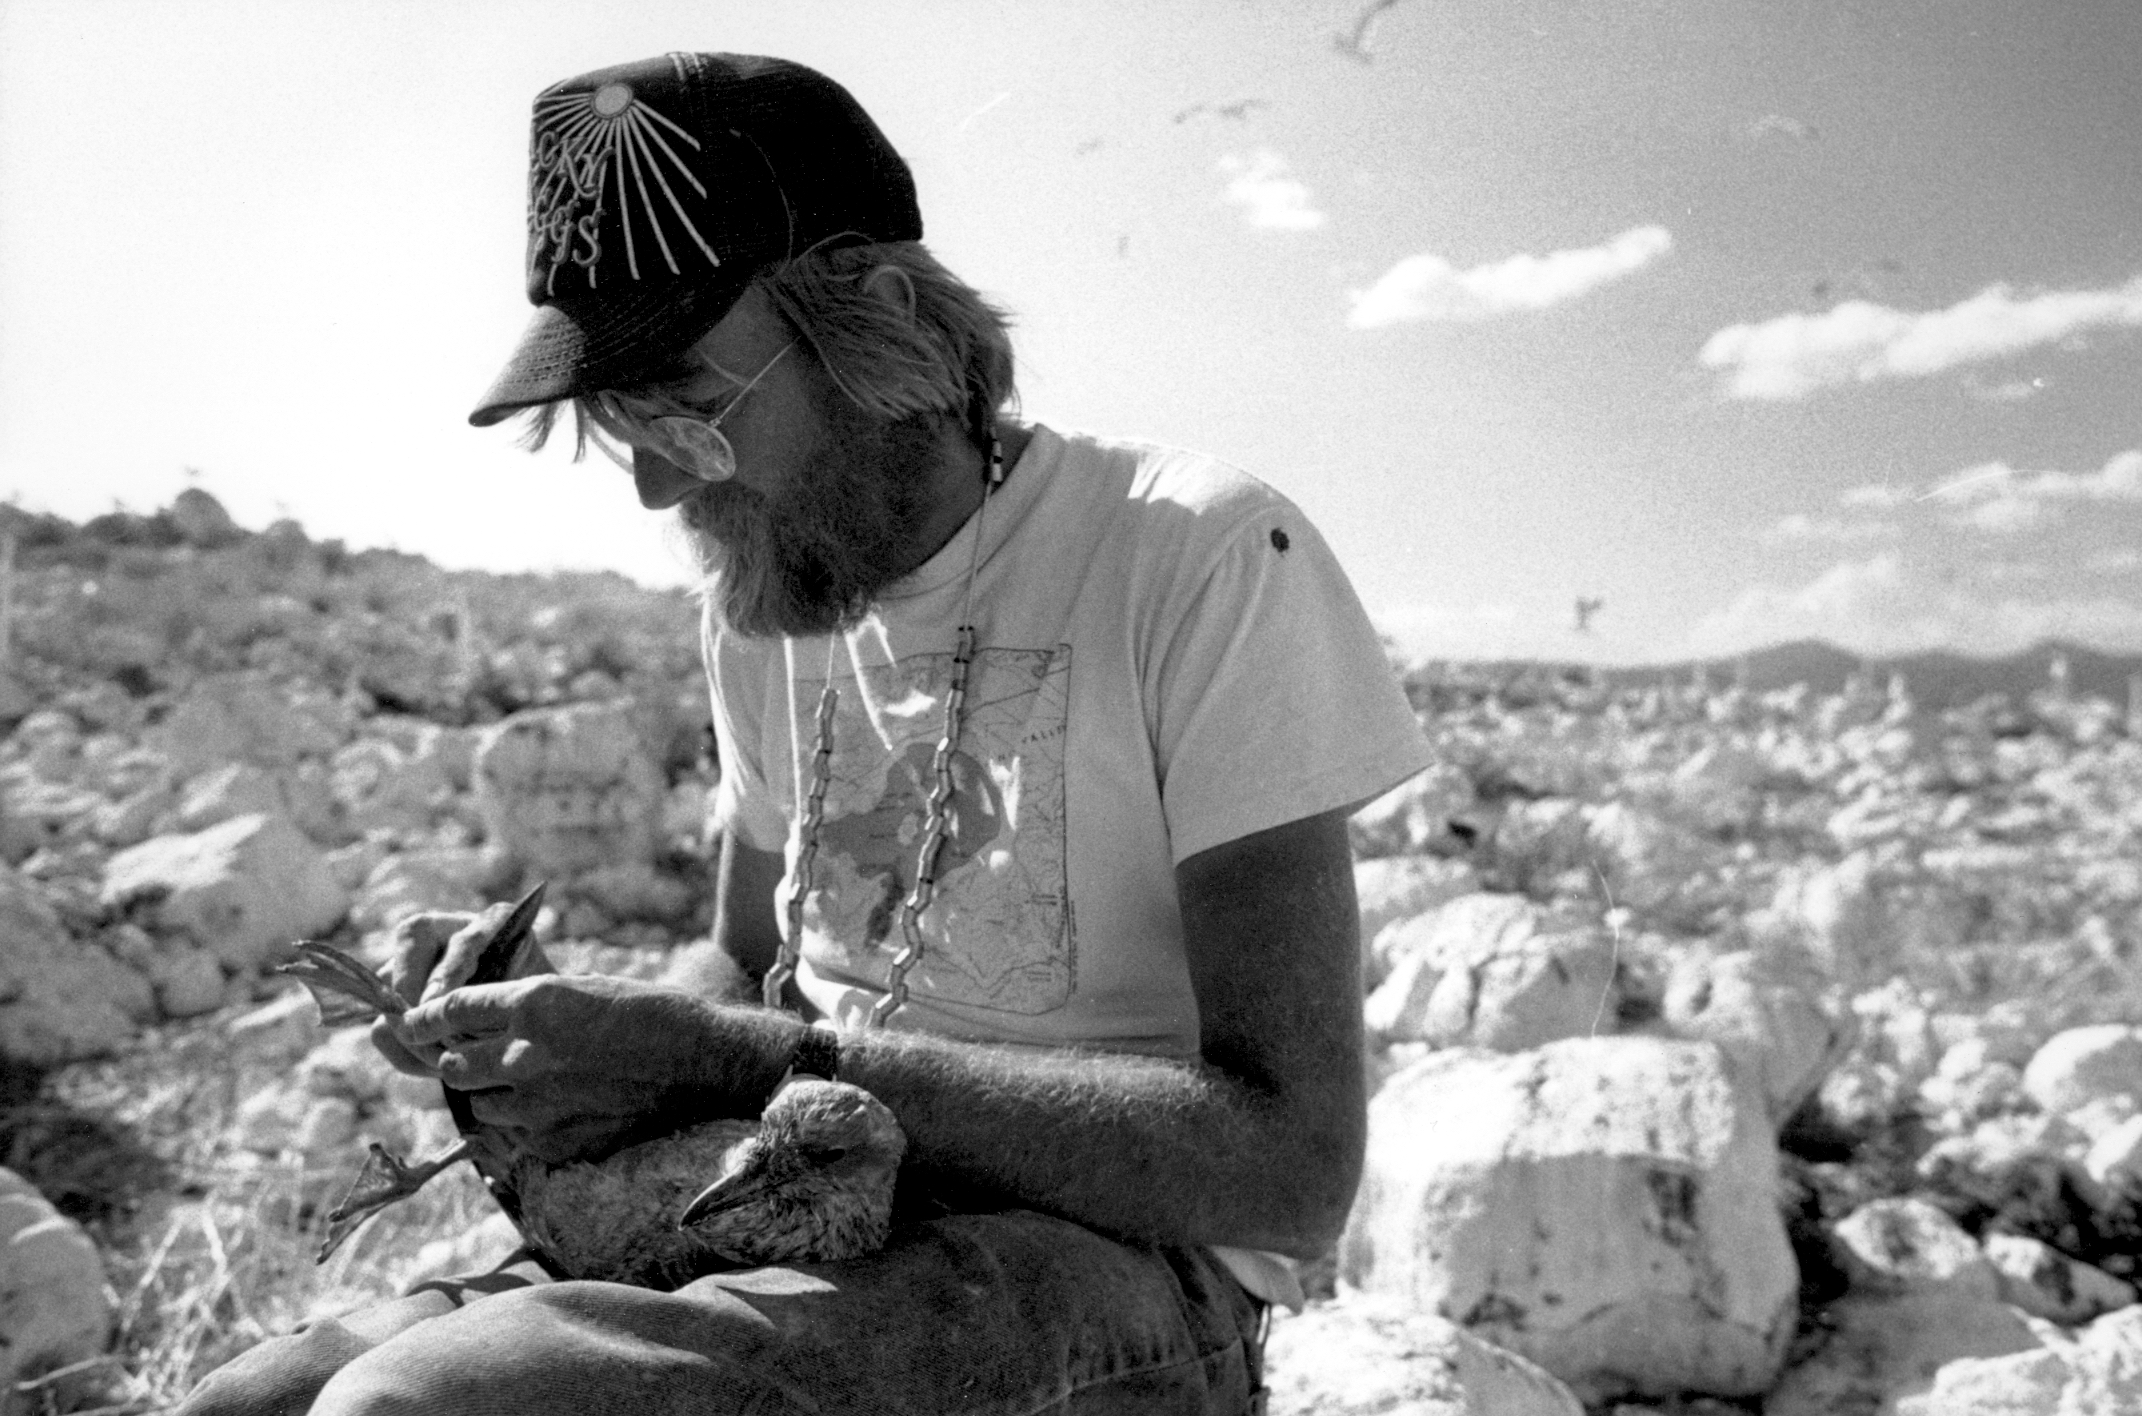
<point x="1174" y="500"/>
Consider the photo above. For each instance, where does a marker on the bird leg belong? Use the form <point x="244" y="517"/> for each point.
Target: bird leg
<point x="386" y="1178"/>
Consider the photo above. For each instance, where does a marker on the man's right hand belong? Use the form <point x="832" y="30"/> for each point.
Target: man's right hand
<point x="434" y="953"/>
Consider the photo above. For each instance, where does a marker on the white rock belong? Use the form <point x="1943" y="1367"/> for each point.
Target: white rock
<point x="2082" y="1065"/>
<point x="188" y="981"/>
<point x="1606" y="1207"/>
<point x="1906" y="1245"/>
<point x="244" y="890"/>
<point x="566" y="789"/>
<point x="1517" y="984"/>
<point x="60" y="1000"/>
<point x="279" y="1031"/>
<point x="1414" y="812"/>
<point x="1769" y="1013"/>
<point x="1922" y="1296"/>
<point x="2042" y="1281"/>
<point x="2098" y="1374"/>
<point x="413" y="882"/>
<point x="267" y="1121"/>
<point x="1400" y="887"/>
<point x="1478" y="920"/>
<point x="217" y="795"/>
<point x="2114" y="1159"/>
<point x="55" y="1308"/>
<point x="245" y="719"/>
<point x="347" y="1065"/>
<point x="1361" y="1356"/>
<point x="327" y="1127"/>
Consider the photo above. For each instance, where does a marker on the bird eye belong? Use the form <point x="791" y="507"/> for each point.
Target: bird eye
<point x="824" y="1155"/>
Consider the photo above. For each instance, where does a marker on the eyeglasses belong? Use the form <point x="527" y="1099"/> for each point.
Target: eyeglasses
<point x="691" y="442"/>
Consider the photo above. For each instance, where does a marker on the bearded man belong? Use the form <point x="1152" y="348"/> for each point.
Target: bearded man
<point x="1036" y="757"/>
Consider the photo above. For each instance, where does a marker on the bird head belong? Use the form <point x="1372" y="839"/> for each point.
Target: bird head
<point x="815" y="1138"/>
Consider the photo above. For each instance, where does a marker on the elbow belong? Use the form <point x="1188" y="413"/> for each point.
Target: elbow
<point x="1306" y="1199"/>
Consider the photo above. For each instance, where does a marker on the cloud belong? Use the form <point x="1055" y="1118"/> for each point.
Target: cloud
<point x="1801" y="527"/>
<point x="1860" y="342"/>
<point x="2115" y="562"/>
<point x="1996" y="498"/>
<point x="1880" y="496"/>
<point x="1427" y="287"/>
<point x="1880" y="607"/>
<point x="1259" y="184"/>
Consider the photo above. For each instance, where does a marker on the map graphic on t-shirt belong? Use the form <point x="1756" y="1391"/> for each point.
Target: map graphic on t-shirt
<point x="997" y="933"/>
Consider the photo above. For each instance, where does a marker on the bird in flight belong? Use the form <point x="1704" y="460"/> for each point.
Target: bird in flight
<point x="1587" y="606"/>
<point x="1239" y="110"/>
<point x="1354" y="44"/>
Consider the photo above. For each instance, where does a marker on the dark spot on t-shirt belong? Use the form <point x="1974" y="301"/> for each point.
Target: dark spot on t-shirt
<point x="1279" y="540"/>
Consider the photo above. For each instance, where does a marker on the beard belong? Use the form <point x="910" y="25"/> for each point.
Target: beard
<point x="813" y="557"/>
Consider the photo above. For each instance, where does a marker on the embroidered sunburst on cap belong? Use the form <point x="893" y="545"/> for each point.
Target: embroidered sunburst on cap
<point x="594" y="148"/>
<point x="657" y="189"/>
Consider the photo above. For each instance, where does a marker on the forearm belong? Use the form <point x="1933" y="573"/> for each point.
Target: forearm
<point x="1141" y="1147"/>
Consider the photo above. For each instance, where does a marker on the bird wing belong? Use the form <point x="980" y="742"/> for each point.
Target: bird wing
<point x="344" y="990"/>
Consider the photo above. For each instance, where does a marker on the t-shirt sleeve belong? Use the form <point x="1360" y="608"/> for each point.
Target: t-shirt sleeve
<point x="1275" y="699"/>
<point x="746" y="805"/>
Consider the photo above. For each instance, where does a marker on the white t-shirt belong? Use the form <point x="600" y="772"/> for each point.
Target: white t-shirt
<point x="1169" y="658"/>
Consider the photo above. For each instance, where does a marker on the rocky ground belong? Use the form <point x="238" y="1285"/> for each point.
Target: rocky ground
<point x="1733" y="1051"/>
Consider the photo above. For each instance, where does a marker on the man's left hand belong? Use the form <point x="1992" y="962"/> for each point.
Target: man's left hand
<point x="567" y="1065"/>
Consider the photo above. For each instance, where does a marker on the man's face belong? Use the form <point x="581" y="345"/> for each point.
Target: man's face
<point x="828" y="503"/>
<point x="808" y="553"/>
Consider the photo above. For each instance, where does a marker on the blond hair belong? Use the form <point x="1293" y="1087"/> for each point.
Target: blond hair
<point x="951" y="355"/>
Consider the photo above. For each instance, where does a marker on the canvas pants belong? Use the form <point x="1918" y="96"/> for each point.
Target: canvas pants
<point x="1012" y="1314"/>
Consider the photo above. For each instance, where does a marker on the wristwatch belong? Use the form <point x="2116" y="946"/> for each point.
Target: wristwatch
<point x="817" y="1054"/>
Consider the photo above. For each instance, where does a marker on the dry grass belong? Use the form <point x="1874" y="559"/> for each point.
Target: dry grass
<point x="208" y="1249"/>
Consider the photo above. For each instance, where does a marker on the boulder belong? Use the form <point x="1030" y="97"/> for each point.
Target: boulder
<point x="2114" y="1160"/>
<point x="217" y="795"/>
<point x="2099" y="1372"/>
<point x="2046" y="1283"/>
<point x="2082" y="1065"/>
<point x="1400" y="887"/>
<point x="55" y="1307"/>
<point x="188" y="981"/>
<point x="1773" y="1017"/>
<point x="1361" y="1356"/>
<point x="201" y="520"/>
<point x="244" y="890"/>
<point x="1922" y="1296"/>
<point x="1412" y="814"/>
<point x="242" y="718"/>
<point x="60" y="1000"/>
<point x="1517" y="986"/>
<point x="571" y="788"/>
<point x="1604" y="1206"/>
<point x="380" y="787"/>
<point x="413" y="882"/>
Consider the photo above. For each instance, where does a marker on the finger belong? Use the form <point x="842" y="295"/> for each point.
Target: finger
<point x="418" y="941"/>
<point x="476" y="1064"/>
<point x="457" y="962"/>
<point x="481" y="1010"/>
<point x="399" y="1056"/>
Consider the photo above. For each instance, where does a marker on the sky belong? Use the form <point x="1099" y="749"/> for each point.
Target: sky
<point x="1620" y="332"/>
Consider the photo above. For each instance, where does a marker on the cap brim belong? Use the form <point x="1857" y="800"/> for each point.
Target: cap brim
<point x="565" y="352"/>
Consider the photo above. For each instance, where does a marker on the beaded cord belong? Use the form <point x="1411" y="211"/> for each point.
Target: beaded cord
<point x="937" y="816"/>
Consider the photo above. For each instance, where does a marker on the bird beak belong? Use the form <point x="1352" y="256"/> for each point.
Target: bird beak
<point x="743" y="1179"/>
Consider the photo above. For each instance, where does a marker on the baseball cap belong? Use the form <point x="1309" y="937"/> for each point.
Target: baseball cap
<point x="657" y="189"/>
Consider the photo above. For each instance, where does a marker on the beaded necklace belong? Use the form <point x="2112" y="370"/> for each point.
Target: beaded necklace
<point x="811" y="810"/>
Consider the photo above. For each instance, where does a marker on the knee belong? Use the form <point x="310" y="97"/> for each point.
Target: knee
<point x="278" y="1377"/>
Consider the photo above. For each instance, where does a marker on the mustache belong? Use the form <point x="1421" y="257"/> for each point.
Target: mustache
<point x="812" y="558"/>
